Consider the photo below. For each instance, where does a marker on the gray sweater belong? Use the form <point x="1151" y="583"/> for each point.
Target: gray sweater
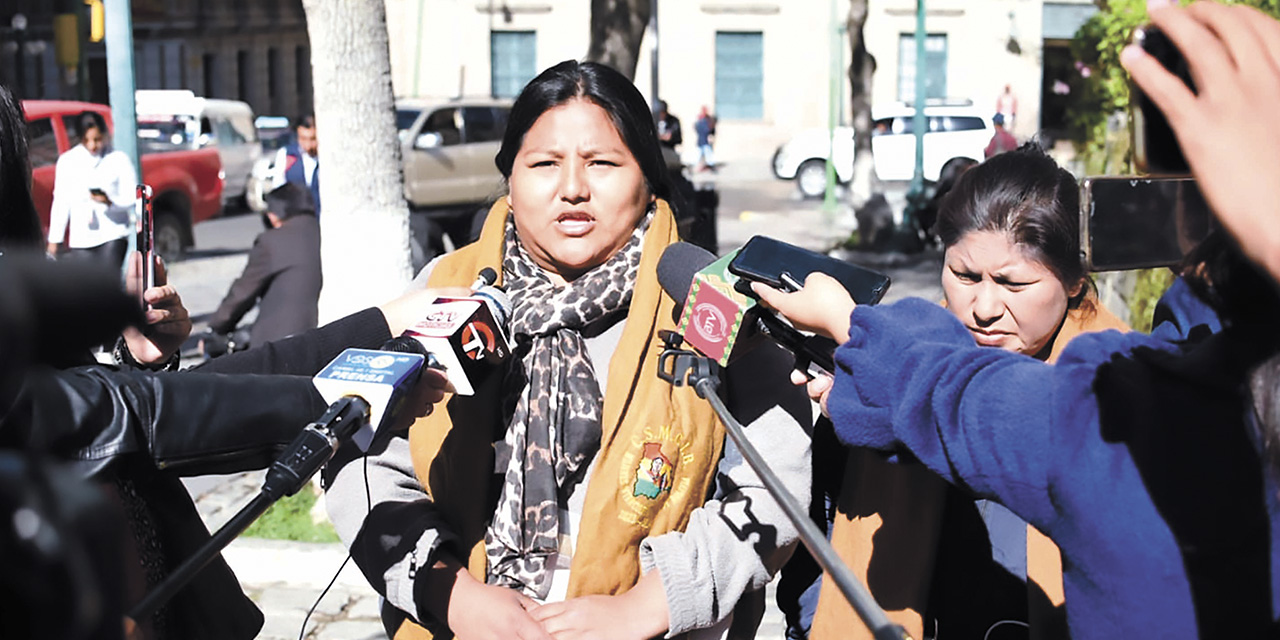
<point x="734" y="543"/>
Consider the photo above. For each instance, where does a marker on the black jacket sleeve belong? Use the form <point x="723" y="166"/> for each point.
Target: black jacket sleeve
<point x="306" y="353"/>
<point x="191" y="423"/>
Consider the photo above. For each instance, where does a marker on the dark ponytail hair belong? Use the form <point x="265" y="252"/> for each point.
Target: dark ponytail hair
<point x="90" y="120"/>
<point x="19" y="223"/>
<point x="607" y="89"/>
<point x="1025" y="194"/>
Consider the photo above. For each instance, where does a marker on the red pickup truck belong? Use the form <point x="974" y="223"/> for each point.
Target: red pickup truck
<point x="186" y="185"/>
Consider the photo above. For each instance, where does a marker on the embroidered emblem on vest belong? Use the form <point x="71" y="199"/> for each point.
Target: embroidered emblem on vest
<point x="648" y="475"/>
<point x="653" y="474"/>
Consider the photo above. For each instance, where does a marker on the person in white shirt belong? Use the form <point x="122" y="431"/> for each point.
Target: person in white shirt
<point x="94" y="189"/>
<point x="298" y="161"/>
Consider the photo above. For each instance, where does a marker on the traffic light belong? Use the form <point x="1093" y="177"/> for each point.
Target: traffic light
<point x="97" y="20"/>
<point x="66" y="39"/>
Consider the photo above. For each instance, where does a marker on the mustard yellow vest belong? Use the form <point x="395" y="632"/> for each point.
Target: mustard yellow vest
<point x="903" y="503"/>
<point x="644" y="419"/>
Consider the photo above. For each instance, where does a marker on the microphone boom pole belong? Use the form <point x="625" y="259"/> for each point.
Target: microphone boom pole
<point x="681" y="367"/>
<point x="305" y="455"/>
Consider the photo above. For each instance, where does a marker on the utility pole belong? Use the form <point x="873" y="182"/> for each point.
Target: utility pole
<point x="653" y="55"/>
<point x="120" y="82"/>
<point x="919" y="125"/>
<point x="835" y="92"/>
<point x="120" y="79"/>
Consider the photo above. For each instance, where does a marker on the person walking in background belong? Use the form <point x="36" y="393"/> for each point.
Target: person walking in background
<point x="705" y="127"/>
<point x="1007" y="106"/>
<point x="668" y="126"/>
<point x="1002" y="140"/>
<point x="298" y="161"/>
<point x="93" y="191"/>
<point x="283" y="273"/>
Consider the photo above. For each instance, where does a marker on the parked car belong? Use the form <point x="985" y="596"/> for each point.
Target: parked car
<point x="448" y="148"/>
<point x="186" y="184"/>
<point x="177" y="119"/>
<point x="956" y="129"/>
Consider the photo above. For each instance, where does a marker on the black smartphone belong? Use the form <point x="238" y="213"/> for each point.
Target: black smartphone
<point x="1155" y="148"/>
<point x="97" y="192"/>
<point x="146" y="241"/>
<point x="785" y="266"/>
<point x="1140" y="222"/>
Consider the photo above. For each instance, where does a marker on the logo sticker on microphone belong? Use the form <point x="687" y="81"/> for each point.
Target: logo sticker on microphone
<point x="709" y="322"/>
<point x="712" y="319"/>
<point x="478" y="340"/>
<point x="370" y="360"/>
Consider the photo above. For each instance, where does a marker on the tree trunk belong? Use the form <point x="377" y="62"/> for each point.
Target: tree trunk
<point x="364" y="220"/>
<point x="617" y="27"/>
<point x="861" y="69"/>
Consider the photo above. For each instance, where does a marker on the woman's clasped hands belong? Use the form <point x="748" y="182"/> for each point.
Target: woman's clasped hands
<point x="479" y="611"/>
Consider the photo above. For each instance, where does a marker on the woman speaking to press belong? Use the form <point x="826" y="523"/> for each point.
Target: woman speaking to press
<point x="577" y="478"/>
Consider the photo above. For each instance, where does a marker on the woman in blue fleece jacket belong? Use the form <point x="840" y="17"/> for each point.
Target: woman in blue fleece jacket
<point x="1152" y="463"/>
<point x="1130" y="453"/>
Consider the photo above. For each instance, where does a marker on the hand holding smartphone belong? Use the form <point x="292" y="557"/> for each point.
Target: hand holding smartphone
<point x="785" y="266"/>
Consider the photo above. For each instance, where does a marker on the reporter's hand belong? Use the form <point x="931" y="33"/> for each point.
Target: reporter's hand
<point x="818" y="388"/>
<point x="821" y="306"/>
<point x="432" y="386"/>
<point x="638" y="614"/>
<point x="408" y="309"/>
<point x="168" y="321"/>
<point x="1228" y="131"/>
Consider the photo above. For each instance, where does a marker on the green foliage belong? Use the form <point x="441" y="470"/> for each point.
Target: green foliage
<point x="1102" y="87"/>
<point x="290" y="519"/>
<point x="1151" y="284"/>
<point x="1100" y="90"/>
<point x="854" y="241"/>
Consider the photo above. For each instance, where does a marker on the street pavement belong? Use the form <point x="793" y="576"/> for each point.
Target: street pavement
<point x="286" y="579"/>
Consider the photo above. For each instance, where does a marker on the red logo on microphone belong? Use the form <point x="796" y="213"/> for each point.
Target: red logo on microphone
<point x="477" y="340"/>
<point x="709" y="322"/>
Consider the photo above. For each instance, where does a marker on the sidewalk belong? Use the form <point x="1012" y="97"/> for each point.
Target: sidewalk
<point x="286" y="578"/>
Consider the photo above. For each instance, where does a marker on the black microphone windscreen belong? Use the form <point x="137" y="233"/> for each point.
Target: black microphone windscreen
<point x="677" y="267"/>
<point x="404" y="344"/>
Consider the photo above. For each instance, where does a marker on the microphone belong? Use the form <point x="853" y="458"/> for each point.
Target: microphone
<point x="722" y="322"/>
<point x="379" y="379"/>
<point x="465" y="336"/>
<point x="360" y="385"/>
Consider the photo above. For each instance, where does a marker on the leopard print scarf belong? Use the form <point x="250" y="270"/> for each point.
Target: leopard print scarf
<point x="555" y="403"/>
